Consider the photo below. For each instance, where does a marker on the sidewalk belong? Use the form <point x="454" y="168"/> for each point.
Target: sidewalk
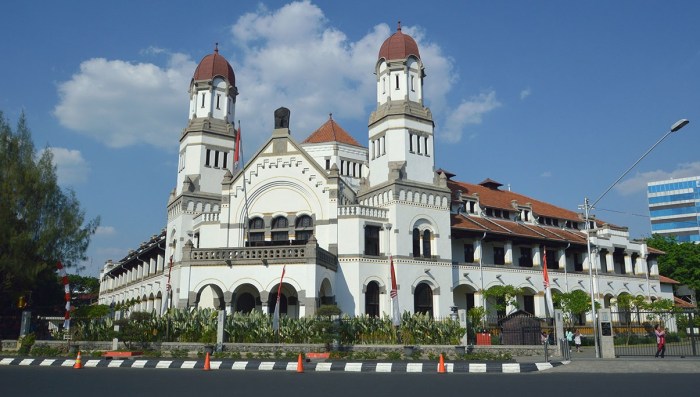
<point x="586" y="362"/>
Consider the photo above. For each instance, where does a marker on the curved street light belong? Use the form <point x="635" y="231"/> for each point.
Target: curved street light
<point x="586" y="210"/>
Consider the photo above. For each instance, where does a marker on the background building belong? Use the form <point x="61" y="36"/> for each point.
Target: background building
<point x="674" y="208"/>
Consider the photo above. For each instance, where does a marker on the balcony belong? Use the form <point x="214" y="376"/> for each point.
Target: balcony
<point x="309" y="253"/>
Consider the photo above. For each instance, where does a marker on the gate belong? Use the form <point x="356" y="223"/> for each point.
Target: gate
<point x="634" y="332"/>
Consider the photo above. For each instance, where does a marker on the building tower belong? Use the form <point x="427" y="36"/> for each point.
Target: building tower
<point x="206" y="149"/>
<point x="401" y="129"/>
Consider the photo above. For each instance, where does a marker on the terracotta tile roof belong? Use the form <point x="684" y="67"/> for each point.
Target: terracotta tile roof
<point x="505" y="227"/>
<point x="667" y="280"/>
<point x="330" y="131"/>
<point x="502" y="199"/>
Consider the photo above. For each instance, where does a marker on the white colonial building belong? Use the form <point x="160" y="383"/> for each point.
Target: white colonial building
<point x="332" y="213"/>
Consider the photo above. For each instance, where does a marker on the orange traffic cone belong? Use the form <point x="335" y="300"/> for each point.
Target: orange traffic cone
<point x="207" y="365"/>
<point x="78" y="363"/>
<point x="300" y="365"/>
<point x="441" y="365"/>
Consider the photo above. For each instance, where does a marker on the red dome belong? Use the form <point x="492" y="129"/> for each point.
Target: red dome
<point x="214" y="65"/>
<point x="398" y="46"/>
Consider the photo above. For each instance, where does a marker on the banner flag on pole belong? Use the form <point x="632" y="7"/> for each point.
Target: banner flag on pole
<point x="395" y="313"/>
<point x="276" y="316"/>
<point x="237" y="148"/>
<point x="547" y="289"/>
<point x="168" y="289"/>
<point x="66" y="291"/>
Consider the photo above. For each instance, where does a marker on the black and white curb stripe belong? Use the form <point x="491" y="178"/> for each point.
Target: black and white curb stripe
<point x="413" y="367"/>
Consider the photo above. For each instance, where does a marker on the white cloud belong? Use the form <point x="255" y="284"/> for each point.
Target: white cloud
<point x="638" y="183"/>
<point x="105" y="231"/>
<point x="71" y="167"/>
<point x="468" y="112"/>
<point x="546" y="174"/>
<point x="525" y="93"/>
<point x="289" y="57"/>
<point x="121" y="103"/>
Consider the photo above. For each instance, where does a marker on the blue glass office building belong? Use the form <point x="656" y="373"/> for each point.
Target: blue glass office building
<point x="674" y="208"/>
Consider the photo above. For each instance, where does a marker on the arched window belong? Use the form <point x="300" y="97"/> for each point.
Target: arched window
<point x="304" y="228"/>
<point x="280" y="229"/>
<point x="426" y="244"/>
<point x="256" y="228"/>
<point x="416" y="243"/>
<point x="423" y="299"/>
<point x="372" y="299"/>
<point x="245" y="303"/>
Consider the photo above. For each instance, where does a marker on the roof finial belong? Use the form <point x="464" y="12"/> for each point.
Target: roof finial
<point x="216" y="47"/>
<point x="399" y="28"/>
<point x="330" y="116"/>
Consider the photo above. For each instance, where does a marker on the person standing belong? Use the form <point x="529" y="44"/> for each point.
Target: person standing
<point x="569" y="338"/>
<point x="577" y="340"/>
<point x="660" y="332"/>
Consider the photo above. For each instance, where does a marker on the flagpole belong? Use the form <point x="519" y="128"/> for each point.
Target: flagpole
<point x="246" y="229"/>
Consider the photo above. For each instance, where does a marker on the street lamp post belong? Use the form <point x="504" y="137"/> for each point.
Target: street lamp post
<point x="587" y="217"/>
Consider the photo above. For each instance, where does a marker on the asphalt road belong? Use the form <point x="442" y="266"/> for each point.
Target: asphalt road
<point x="105" y="382"/>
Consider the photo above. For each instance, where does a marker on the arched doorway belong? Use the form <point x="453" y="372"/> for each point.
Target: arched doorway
<point x="245" y="303"/>
<point x="423" y="299"/>
<point x="372" y="299"/>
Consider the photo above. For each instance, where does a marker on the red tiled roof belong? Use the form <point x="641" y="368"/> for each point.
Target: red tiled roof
<point x="398" y="46"/>
<point x="667" y="280"/>
<point x="214" y="65"/>
<point x="330" y="131"/>
<point x="502" y="199"/>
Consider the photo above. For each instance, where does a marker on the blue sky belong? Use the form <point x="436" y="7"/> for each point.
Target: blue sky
<point x="554" y="98"/>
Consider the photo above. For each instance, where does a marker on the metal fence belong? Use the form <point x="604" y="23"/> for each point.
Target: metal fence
<point x="634" y="332"/>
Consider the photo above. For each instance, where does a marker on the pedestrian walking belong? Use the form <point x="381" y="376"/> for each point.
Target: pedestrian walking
<point x="577" y="340"/>
<point x="660" y="332"/>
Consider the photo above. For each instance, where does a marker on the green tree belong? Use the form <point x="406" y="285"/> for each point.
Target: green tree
<point x="501" y="296"/>
<point x="681" y="261"/>
<point x="573" y="304"/>
<point x="40" y="222"/>
<point x="84" y="284"/>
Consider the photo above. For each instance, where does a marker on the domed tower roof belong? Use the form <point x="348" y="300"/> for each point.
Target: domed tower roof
<point x="398" y="46"/>
<point x="214" y="65"/>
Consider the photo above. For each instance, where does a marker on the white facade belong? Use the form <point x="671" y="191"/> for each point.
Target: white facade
<point x="332" y="215"/>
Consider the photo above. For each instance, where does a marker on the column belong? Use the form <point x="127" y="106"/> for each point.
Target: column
<point x="478" y="251"/>
<point x="561" y="253"/>
<point x="509" y="253"/>
<point x="536" y="256"/>
<point x="610" y="262"/>
<point x="628" y="264"/>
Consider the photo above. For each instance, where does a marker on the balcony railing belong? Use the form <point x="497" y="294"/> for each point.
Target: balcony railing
<point x="309" y="253"/>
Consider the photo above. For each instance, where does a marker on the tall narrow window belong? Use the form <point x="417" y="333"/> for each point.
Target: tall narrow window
<point x="203" y="96"/>
<point x="412" y="83"/>
<point x="372" y="240"/>
<point x="426" y="146"/>
<point x="397" y="81"/>
<point x="416" y="243"/>
<point x="225" y="160"/>
<point x="207" y="158"/>
<point x="418" y="143"/>
<point x="383" y="85"/>
<point x="216" y="159"/>
<point x="410" y="142"/>
<point x="426" y="244"/>
<point x="218" y="99"/>
<point x="328" y="164"/>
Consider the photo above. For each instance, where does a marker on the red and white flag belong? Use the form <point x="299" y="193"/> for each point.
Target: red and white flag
<point x="237" y="148"/>
<point x="276" y="316"/>
<point x="547" y="288"/>
<point x="66" y="290"/>
<point x="395" y="313"/>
